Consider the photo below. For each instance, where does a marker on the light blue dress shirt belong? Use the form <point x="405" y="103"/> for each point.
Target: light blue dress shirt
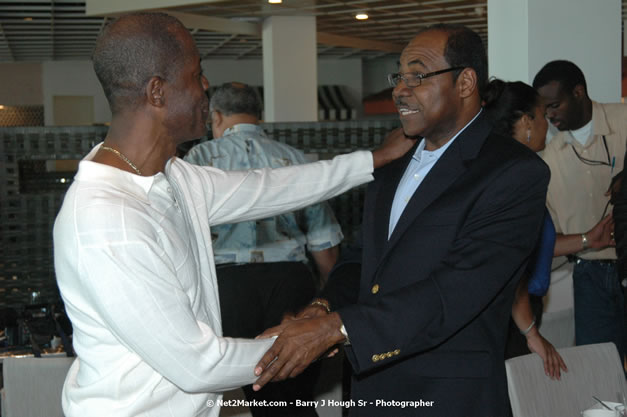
<point x="418" y="168"/>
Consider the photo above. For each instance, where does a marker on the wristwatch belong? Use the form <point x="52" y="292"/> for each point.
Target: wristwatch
<point x="345" y="334"/>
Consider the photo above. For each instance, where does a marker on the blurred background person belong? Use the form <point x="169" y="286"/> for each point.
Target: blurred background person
<point x="583" y="156"/>
<point x="517" y="110"/>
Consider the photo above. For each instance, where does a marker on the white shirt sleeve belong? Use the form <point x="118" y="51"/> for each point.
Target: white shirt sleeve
<point x="245" y="195"/>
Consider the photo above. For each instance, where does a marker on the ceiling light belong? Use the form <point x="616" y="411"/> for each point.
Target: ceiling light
<point x="1" y="107"/>
<point x="275" y="1"/>
<point x="361" y="16"/>
<point x="479" y="11"/>
<point x="28" y="19"/>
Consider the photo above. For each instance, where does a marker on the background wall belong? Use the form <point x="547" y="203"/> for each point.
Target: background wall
<point x="38" y="83"/>
<point x="21" y="84"/>
<point x="581" y="31"/>
<point x="344" y="72"/>
<point x="220" y="71"/>
<point x="72" y="78"/>
<point x="348" y="74"/>
<point x="592" y="42"/>
<point x="375" y="73"/>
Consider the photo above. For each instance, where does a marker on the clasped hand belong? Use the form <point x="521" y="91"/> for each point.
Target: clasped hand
<point x="301" y="340"/>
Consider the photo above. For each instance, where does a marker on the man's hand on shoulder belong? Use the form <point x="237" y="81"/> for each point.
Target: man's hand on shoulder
<point x="395" y="145"/>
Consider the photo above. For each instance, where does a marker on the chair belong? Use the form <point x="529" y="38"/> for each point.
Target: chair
<point x="592" y="370"/>
<point x="32" y="386"/>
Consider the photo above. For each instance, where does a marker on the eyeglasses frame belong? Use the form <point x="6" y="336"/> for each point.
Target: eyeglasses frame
<point x="419" y="76"/>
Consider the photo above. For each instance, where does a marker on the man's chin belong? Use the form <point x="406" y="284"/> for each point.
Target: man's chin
<point x="559" y="126"/>
<point x="416" y="137"/>
<point x="410" y="131"/>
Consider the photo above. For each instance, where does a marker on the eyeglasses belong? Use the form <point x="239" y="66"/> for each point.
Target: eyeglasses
<point x="413" y="79"/>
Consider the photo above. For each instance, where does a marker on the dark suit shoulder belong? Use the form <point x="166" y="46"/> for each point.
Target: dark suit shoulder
<point x="504" y="151"/>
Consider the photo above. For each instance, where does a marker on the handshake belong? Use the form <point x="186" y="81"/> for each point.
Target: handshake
<point x="302" y="338"/>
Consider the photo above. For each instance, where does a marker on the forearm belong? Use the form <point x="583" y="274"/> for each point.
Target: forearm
<point x="236" y="196"/>
<point x="521" y="309"/>
<point x="325" y="260"/>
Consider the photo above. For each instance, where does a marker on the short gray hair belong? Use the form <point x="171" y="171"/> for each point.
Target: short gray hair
<point x="235" y="98"/>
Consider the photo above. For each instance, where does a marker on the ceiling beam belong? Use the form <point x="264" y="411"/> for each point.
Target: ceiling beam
<point x="117" y="7"/>
<point x="247" y="51"/>
<point x="219" y="45"/>
<point x="359" y="43"/>
<point x="216" y="24"/>
<point x="212" y="24"/>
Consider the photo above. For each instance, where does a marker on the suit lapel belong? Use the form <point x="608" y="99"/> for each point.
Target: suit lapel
<point x="385" y="196"/>
<point x="447" y="169"/>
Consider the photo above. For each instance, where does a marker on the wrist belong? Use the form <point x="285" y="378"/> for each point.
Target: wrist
<point x="321" y="303"/>
<point x="532" y="333"/>
<point x="584" y="241"/>
<point x="526" y="331"/>
<point x="335" y="322"/>
<point x="378" y="158"/>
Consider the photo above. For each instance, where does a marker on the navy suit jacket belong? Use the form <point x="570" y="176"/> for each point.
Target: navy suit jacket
<point x="435" y="299"/>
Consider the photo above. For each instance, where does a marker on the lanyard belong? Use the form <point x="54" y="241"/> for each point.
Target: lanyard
<point x="610" y="162"/>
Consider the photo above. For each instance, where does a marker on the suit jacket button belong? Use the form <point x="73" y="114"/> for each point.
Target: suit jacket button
<point x="375" y="358"/>
<point x="397" y="351"/>
<point x="375" y="288"/>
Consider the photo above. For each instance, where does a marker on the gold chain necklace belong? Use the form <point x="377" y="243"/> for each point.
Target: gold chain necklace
<point x="122" y="157"/>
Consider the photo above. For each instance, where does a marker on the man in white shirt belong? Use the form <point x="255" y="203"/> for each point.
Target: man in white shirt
<point x="132" y="243"/>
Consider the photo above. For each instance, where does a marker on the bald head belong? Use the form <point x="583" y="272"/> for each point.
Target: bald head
<point x="133" y="49"/>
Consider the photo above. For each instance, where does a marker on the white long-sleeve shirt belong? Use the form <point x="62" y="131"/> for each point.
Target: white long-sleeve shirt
<point x="135" y="269"/>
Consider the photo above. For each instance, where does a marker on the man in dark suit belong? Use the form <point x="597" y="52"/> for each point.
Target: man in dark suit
<point x="447" y="232"/>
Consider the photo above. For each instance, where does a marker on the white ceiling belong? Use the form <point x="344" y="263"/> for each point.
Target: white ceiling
<point x="39" y="30"/>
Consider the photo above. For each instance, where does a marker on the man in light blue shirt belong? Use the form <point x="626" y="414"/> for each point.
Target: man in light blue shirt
<point x="421" y="163"/>
<point x="262" y="265"/>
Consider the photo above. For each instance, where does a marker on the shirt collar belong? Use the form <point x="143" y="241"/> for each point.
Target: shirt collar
<point x="135" y="185"/>
<point x="438" y="152"/>
<point x="242" y="127"/>
<point x="599" y="127"/>
<point x="599" y="121"/>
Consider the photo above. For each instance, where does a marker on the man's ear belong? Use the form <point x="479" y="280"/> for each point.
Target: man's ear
<point x="579" y="92"/>
<point x="467" y="82"/>
<point x="216" y="117"/>
<point x="155" y="93"/>
<point x="217" y="120"/>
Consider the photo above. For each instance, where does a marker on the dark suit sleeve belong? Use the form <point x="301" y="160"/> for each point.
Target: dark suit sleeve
<point x="342" y="287"/>
<point x="489" y="251"/>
